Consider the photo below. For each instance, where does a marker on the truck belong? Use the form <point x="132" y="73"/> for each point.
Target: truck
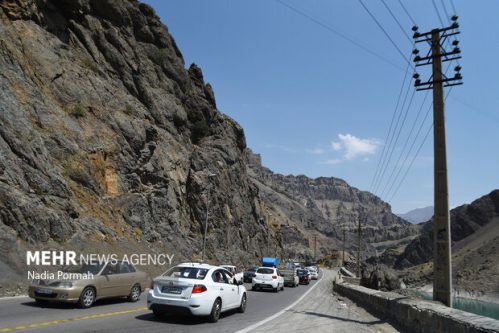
<point x="271" y="262"/>
<point x="290" y="277"/>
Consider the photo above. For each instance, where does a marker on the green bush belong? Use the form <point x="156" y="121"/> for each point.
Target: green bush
<point x="128" y="109"/>
<point x="159" y="55"/>
<point x="78" y="111"/>
<point x="200" y="129"/>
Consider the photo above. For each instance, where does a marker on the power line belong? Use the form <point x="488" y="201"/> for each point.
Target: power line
<point x="417" y="152"/>
<point x="453" y="6"/>
<point x="398" y="22"/>
<point x="390" y="127"/>
<point x="445" y="10"/>
<point x="390" y="141"/>
<point x="338" y="33"/>
<point x="397" y="138"/>
<point x="386" y="33"/>
<point x="393" y="180"/>
<point x="438" y="13"/>
<point x="405" y="145"/>
<point x="409" y="151"/>
<point x="407" y="12"/>
<point x="412" y="162"/>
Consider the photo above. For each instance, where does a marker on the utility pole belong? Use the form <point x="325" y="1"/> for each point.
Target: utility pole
<point x="442" y="267"/>
<point x="315" y="249"/>
<point x="358" y="249"/>
<point x="343" y="254"/>
<point x="269" y="215"/>
<point x="208" y="190"/>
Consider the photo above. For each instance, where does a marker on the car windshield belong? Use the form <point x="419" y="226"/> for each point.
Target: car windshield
<point x="84" y="269"/>
<point x="252" y="269"/>
<point x="265" y="271"/>
<point x="302" y="272"/>
<point x="186" y="272"/>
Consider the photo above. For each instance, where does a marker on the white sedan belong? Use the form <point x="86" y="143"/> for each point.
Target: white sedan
<point x="196" y="289"/>
<point x="267" y="278"/>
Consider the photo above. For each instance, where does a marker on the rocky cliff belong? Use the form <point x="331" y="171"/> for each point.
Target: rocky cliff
<point x="106" y="137"/>
<point x="108" y="143"/>
<point x="304" y="211"/>
<point x="475" y="248"/>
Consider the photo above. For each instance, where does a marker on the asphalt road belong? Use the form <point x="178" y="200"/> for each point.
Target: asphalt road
<point x="22" y="314"/>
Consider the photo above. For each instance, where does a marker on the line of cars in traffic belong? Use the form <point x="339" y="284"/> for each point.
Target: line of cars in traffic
<point x="190" y="288"/>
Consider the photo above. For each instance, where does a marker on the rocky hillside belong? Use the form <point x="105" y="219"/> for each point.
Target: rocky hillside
<point x="303" y="209"/>
<point x="475" y="248"/>
<point x="106" y="137"/>
<point x="108" y="143"/>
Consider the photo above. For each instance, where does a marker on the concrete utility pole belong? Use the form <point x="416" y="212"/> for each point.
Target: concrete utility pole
<point x="269" y="215"/>
<point x="343" y="254"/>
<point x="315" y="249"/>
<point x="208" y="190"/>
<point x="358" y="249"/>
<point x="442" y="267"/>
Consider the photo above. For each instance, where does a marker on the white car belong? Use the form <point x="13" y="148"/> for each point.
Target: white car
<point x="313" y="274"/>
<point x="267" y="278"/>
<point x="196" y="289"/>
<point x="234" y="271"/>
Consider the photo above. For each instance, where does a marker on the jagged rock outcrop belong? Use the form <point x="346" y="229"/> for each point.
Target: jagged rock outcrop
<point x="322" y="208"/>
<point x="108" y="143"/>
<point x="106" y="136"/>
<point x="475" y="248"/>
<point x="465" y="221"/>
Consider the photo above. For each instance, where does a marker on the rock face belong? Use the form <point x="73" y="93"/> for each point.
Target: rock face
<point x="465" y="221"/>
<point x="304" y="208"/>
<point x="475" y="249"/>
<point x="105" y="134"/>
<point x="107" y="143"/>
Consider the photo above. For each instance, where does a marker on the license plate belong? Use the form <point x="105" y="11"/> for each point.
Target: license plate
<point x="171" y="290"/>
<point x="44" y="291"/>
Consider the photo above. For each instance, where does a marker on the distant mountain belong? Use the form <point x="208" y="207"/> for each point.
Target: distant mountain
<point x="418" y="215"/>
<point x="475" y="247"/>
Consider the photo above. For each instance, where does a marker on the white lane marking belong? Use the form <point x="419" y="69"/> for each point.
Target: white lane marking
<point x="266" y="320"/>
<point x="11" y="297"/>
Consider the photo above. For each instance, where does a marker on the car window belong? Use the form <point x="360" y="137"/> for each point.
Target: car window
<point x="125" y="268"/>
<point x="187" y="272"/>
<point x="220" y="276"/>
<point x="265" y="271"/>
<point x="110" y="269"/>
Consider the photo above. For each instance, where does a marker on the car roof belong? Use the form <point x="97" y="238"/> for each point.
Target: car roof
<point x="195" y="264"/>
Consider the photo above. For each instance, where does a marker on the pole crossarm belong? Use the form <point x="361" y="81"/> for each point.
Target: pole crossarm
<point x="442" y="55"/>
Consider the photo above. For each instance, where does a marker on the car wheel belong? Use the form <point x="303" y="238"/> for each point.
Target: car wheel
<point x="242" y="307"/>
<point x="87" y="298"/>
<point x="215" y="311"/>
<point x="282" y="287"/>
<point x="134" y="293"/>
<point x="276" y="289"/>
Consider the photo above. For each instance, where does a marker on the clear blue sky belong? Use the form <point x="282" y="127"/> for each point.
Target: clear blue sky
<point x="312" y="103"/>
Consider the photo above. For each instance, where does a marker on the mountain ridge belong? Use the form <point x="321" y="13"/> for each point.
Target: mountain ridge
<point x="107" y="143"/>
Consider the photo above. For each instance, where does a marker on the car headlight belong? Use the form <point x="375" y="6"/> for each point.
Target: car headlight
<point x="66" y="284"/>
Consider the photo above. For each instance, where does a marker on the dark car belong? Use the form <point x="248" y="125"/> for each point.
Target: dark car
<point x="303" y="276"/>
<point x="249" y="274"/>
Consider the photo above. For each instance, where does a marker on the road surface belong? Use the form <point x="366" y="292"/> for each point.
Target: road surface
<point x="22" y="314"/>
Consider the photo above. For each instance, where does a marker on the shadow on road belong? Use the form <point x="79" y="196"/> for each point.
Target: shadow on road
<point x="181" y="319"/>
<point x="374" y="322"/>
<point x="71" y="306"/>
